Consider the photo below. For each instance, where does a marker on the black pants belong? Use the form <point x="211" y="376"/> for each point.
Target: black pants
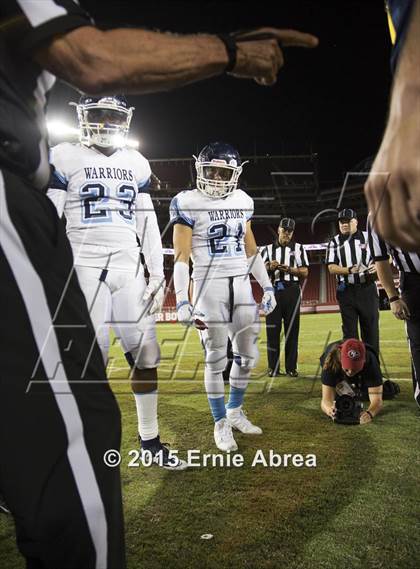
<point x="54" y="426"/>
<point x="287" y="311"/>
<point x="410" y="289"/>
<point x="360" y="304"/>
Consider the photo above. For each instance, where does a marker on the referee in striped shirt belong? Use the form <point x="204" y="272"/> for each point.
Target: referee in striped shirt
<point x="348" y="258"/>
<point x="286" y="263"/>
<point x="407" y="306"/>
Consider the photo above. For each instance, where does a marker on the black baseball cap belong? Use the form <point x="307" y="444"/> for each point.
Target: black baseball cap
<point x="287" y="223"/>
<point x="347" y="213"/>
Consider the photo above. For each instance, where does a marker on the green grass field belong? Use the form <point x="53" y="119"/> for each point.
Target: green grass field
<point x="358" y="509"/>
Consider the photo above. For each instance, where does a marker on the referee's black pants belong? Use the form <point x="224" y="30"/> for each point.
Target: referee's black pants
<point x="410" y="292"/>
<point x="54" y="426"/>
<point x="287" y="311"/>
<point x="360" y="304"/>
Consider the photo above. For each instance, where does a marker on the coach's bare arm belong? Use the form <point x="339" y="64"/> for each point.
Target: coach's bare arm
<point x="301" y="272"/>
<point x="141" y="61"/>
<point x="337" y="270"/>
<point x="393" y="187"/>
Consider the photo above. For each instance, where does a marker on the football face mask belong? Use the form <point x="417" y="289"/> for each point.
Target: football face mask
<point x="104" y="122"/>
<point x="217" y="179"/>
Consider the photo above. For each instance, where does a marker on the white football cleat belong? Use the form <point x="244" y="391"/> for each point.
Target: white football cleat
<point x="238" y="420"/>
<point x="223" y="436"/>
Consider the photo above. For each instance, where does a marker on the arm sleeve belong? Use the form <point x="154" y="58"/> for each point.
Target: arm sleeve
<point x="149" y="234"/>
<point x="378" y="248"/>
<point x="178" y="213"/>
<point x="181" y="281"/>
<point x="45" y="19"/>
<point x="257" y="268"/>
<point x="331" y="256"/>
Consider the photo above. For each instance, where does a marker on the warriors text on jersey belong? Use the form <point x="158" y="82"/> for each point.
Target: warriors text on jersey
<point x="101" y="194"/>
<point x="218" y="229"/>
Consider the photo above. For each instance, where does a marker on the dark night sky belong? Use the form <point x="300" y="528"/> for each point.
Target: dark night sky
<point x="331" y="100"/>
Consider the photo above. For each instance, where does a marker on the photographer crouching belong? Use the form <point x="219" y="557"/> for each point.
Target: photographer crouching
<point x="350" y="373"/>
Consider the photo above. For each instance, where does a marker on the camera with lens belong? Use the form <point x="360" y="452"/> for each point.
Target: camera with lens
<point x="348" y="404"/>
<point x="347" y="410"/>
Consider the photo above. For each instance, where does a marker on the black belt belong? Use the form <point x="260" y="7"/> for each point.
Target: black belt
<point x="286" y="284"/>
<point x="356" y="285"/>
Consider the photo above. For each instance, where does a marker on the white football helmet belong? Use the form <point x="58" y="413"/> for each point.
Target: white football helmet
<point x="104" y="121"/>
<point x="218" y="169"/>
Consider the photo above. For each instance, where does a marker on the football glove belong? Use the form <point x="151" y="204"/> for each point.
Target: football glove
<point x="154" y="294"/>
<point x="268" y="303"/>
<point x="184" y="311"/>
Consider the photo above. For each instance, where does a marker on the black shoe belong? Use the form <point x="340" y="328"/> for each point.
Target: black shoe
<point x="272" y="373"/>
<point x="155" y="452"/>
<point x="292" y="373"/>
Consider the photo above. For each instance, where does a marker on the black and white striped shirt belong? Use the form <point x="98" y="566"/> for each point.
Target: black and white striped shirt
<point x="24" y="26"/>
<point x="380" y="250"/>
<point x="292" y="255"/>
<point x="347" y="251"/>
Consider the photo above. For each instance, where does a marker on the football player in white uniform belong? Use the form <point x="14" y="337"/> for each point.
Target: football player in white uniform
<point x="212" y="224"/>
<point x="101" y="186"/>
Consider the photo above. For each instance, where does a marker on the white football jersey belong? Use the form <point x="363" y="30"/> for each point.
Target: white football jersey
<point x="100" y="196"/>
<point x="218" y="230"/>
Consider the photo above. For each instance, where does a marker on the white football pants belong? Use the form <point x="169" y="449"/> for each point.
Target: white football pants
<point x="114" y="299"/>
<point x="228" y="308"/>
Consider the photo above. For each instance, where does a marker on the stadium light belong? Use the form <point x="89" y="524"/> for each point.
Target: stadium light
<point x="133" y="143"/>
<point x="59" y="129"/>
